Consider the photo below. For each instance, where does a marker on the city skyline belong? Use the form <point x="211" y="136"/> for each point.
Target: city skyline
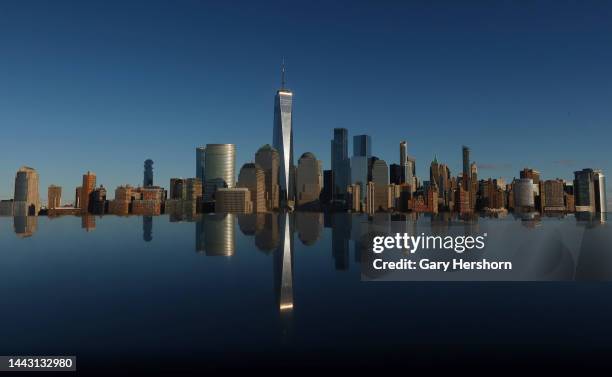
<point x="514" y="107"/>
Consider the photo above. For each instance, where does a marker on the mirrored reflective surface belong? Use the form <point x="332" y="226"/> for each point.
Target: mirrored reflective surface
<point x="228" y="288"/>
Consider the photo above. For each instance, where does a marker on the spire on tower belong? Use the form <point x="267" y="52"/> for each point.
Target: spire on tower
<point x="283" y="74"/>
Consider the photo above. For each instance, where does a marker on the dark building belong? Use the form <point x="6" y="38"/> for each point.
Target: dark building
<point x="466" y="166"/>
<point x="362" y="145"/>
<point x="340" y="165"/>
<point x="148" y="173"/>
<point x="328" y="187"/>
<point x="584" y="190"/>
<point x="395" y="173"/>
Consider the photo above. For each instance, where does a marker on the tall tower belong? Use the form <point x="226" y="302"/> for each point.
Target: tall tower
<point x="406" y="169"/>
<point x="340" y="164"/>
<point x="148" y="173"/>
<point x="362" y="153"/>
<point x="283" y="138"/>
<point x="267" y="157"/>
<point x="89" y="183"/>
<point x="599" y="183"/>
<point x="466" y="166"/>
<point x="200" y="163"/>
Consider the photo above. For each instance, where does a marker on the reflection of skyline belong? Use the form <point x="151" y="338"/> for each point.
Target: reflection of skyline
<point x="147" y="228"/>
<point x="283" y="260"/>
<point x="215" y="234"/>
<point x="25" y="226"/>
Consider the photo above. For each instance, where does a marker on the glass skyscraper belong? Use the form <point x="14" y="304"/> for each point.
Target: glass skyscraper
<point x="148" y="173"/>
<point x="200" y="163"/>
<point x="466" y="165"/>
<point x="219" y="162"/>
<point x="340" y="162"/>
<point x="362" y="152"/>
<point x="283" y="139"/>
<point x="362" y="145"/>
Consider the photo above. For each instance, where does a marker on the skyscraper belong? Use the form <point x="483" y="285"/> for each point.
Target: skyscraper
<point x="148" y="173"/>
<point x="380" y="177"/>
<point x="200" y="163"/>
<point x="523" y="194"/>
<point x="283" y="138"/>
<point x="584" y="190"/>
<point x="599" y="183"/>
<point x="466" y="166"/>
<point x="406" y="175"/>
<point x="309" y="180"/>
<point x="54" y="197"/>
<point x="253" y="178"/>
<point x="267" y="158"/>
<point x="219" y="162"/>
<point x="89" y="184"/>
<point x="27" y="198"/>
<point x="362" y="153"/>
<point x="362" y="145"/>
<point x="395" y="174"/>
<point x="340" y="163"/>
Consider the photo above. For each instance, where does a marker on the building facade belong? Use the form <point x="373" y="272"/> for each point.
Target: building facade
<point x="233" y="200"/>
<point x="27" y="198"/>
<point x="54" y="197"/>
<point x="252" y="177"/>
<point x="268" y="159"/>
<point x="283" y="139"/>
<point x="220" y="161"/>
<point x="340" y="163"/>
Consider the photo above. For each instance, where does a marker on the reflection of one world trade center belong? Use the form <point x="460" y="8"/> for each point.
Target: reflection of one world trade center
<point x="283" y="275"/>
<point x="215" y="234"/>
<point x="283" y="265"/>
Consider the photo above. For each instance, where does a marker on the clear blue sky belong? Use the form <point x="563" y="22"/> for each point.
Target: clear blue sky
<point x="102" y="86"/>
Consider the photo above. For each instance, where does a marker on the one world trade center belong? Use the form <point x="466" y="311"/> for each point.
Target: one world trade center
<point x="283" y="140"/>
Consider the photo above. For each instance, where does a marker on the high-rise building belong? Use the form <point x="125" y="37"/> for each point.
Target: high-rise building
<point x="220" y="160"/>
<point x="148" y="173"/>
<point x="360" y="162"/>
<point x="253" y="178"/>
<point x="362" y="145"/>
<point x="340" y="163"/>
<point x="395" y="174"/>
<point x="89" y="184"/>
<point x="359" y="174"/>
<point x="355" y="197"/>
<point x="553" y="193"/>
<point x="380" y="178"/>
<point x="370" y="200"/>
<point x="328" y="186"/>
<point x="233" y="200"/>
<point x="584" y="190"/>
<point x="201" y="163"/>
<point x="523" y="194"/>
<point x="54" y="197"/>
<point x="309" y="180"/>
<point x="268" y="159"/>
<point x="98" y="202"/>
<point x="77" y="197"/>
<point x="406" y="173"/>
<point x="599" y="183"/>
<point x="466" y="166"/>
<point x="531" y="173"/>
<point x="283" y="139"/>
<point x="27" y="198"/>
